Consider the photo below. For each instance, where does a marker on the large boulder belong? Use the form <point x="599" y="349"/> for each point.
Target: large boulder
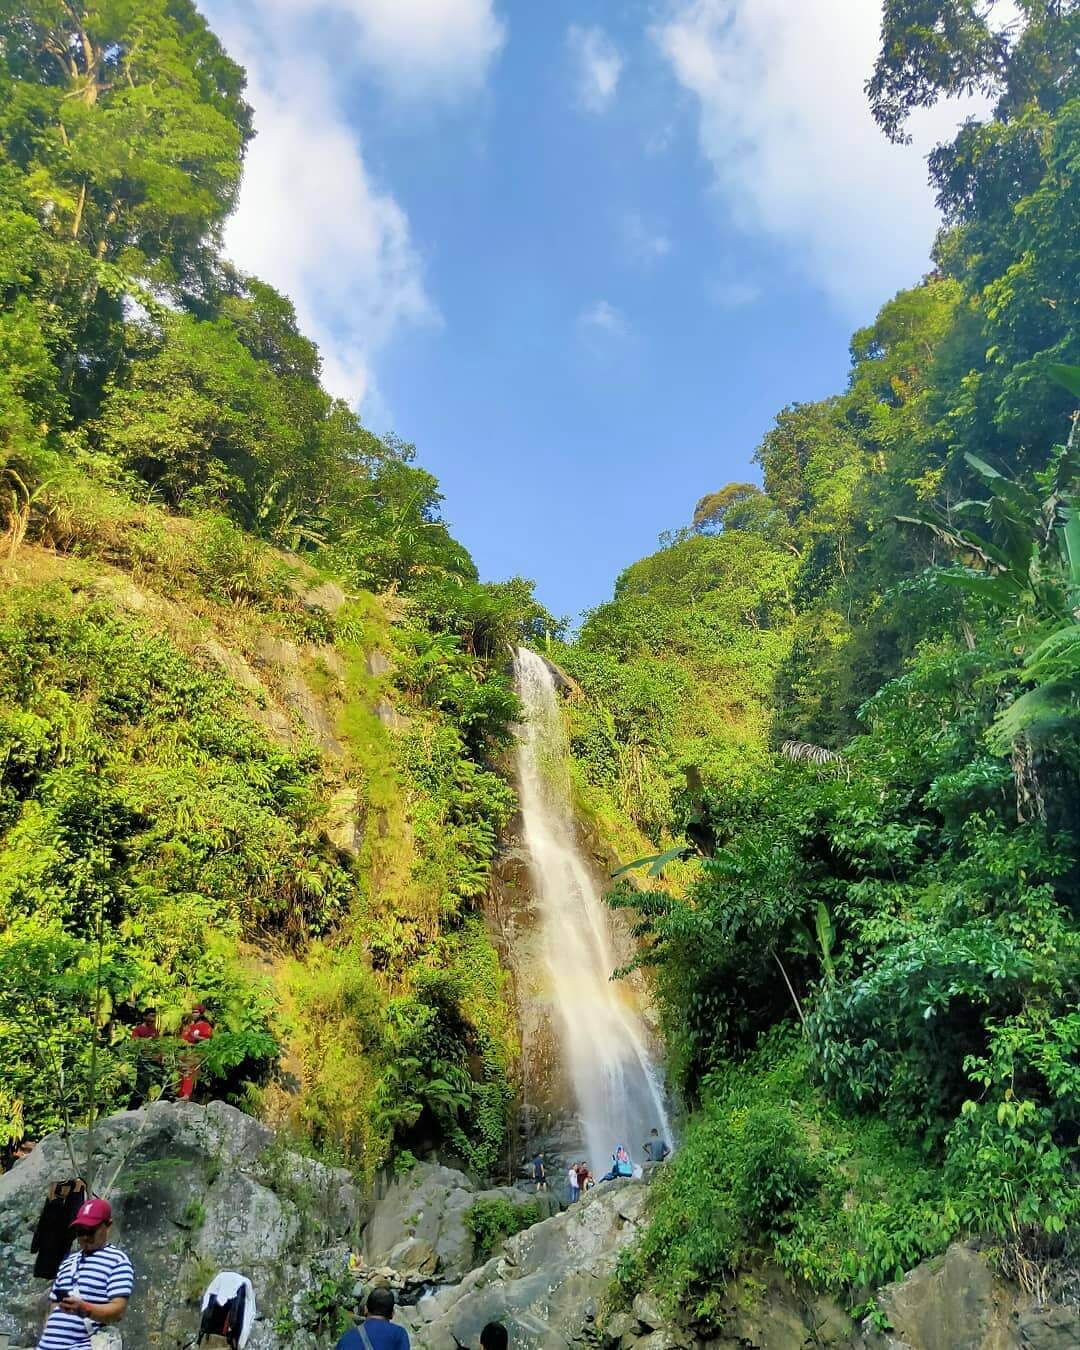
<point x="955" y="1302"/>
<point x="546" y="1284"/>
<point x="194" y="1190"/>
<point x="424" y="1211"/>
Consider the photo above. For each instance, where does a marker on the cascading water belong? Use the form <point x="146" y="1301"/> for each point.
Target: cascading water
<point x="603" y="1042"/>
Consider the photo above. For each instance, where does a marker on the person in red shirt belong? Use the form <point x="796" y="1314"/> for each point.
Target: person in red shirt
<point x="148" y="1028"/>
<point x="196" y="1029"/>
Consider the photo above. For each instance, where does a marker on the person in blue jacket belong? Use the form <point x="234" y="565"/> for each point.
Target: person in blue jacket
<point x="377" y="1331"/>
<point x="621" y="1166"/>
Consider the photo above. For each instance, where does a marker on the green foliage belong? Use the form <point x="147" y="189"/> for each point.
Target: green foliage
<point x="768" y="1168"/>
<point x="163" y="415"/>
<point x="135" y="796"/>
<point x="902" y="877"/>
<point x="327" y="1308"/>
<point x="491" y="1222"/>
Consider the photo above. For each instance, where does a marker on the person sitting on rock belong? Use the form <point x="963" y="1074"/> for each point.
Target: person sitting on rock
<point x="494" y="1337"/>
<point x="92" y="1286"/>
<point x="621" y="1166"/>
<point x="377" y="1331"/>
<point x="655" y="1148"/>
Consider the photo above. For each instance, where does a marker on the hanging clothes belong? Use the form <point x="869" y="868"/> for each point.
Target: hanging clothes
<point x="228" y="1309"/>
<point x="53" y="1236"/>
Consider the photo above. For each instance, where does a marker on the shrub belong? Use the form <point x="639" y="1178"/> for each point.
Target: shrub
<point x="492" y="1221"/>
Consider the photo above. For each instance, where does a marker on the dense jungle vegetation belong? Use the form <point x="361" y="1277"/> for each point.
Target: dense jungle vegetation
<point x="198" y="799"/>
<point x="253" y="704"/>
<point x="846" y="703"/>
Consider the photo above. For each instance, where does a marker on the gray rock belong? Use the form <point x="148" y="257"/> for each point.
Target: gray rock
<point x="952" y="1303"/>
<point x="619" y="1327"/>
<point x="413" y="1257"/>
<point x="327" y="597"/>
<point x="345" y="820"/>
<point x="377" y="663"/>
<point x="428" y="1205"/>
<point x="646" y="1309"/>
<point x="1050" y="1328"/>
<point x="389" y="716"/>
<point x="664" y="1339"/>
<point x="545" y="1282"/>
<point x="194" y="1190"/>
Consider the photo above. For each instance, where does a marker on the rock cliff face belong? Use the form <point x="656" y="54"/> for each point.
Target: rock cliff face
<point x="194" y="1190"/>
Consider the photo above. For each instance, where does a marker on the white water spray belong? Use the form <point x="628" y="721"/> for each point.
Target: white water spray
<point x="603" y="1042"/>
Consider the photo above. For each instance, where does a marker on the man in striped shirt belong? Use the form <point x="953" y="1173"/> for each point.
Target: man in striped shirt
<point x="92" y="1286"/>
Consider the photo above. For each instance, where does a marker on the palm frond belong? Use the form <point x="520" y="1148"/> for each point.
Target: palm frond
<point x="802" y="752"/>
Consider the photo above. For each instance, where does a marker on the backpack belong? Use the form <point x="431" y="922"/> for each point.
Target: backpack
<point x="224" y="1319"/>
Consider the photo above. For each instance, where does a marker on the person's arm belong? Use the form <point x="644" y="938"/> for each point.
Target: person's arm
<point x="105" y="1313"/>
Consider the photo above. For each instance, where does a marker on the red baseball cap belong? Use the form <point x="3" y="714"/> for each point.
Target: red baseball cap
<point x="94" y="1212"/>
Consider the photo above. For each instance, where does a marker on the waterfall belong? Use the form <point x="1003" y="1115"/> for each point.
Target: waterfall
<point x="615" y="1084"/>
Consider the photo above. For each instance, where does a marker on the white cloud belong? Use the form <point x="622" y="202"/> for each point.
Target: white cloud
<point x="733" y="294"/>
<point x="785" y="126"/>
<point x="602" y="320"/>
<point x="415" y="48"/>
<point x="422" y="46"/>
<point x="643" y="246"/>
<point x="311" y="219"/>
<point x="313" y="224"/>
<point x="597" y="66"/>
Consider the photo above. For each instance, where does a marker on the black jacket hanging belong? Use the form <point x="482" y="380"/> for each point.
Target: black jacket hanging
<point x="53" y="1236"/>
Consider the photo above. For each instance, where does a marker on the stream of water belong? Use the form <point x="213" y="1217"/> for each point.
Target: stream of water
<point x="615" y="1083"/>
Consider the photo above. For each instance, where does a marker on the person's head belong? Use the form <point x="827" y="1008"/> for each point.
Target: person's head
<point x="494" y="1337"/>
<point x="199" y="1010"/>
<point x="149" y="1017"/>
<point x="92" y="1225"/>
<point x="655" y="1134"/>
<point x="380" y="1303"/>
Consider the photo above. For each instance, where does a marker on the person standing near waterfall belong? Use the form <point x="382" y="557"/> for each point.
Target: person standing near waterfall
<point x="539" y="1174"/>
<point x="574" y="1183"/>
<point x="655" y="1148"/>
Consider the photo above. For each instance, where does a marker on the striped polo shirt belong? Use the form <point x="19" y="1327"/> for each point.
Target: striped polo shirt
<point x="99" y="1278"/>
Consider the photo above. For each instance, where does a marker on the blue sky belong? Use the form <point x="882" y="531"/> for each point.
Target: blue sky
<point x="579" y="253"/>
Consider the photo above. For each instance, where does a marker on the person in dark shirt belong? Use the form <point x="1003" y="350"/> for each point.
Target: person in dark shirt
<point x="656" y="1149"/>
<point x="377" y="1331"/>
<point x="147" y="1056"/>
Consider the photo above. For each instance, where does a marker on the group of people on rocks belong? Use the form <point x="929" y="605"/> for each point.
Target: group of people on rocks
<point x="580" y="1179"/>
<point x="93" y="1286"/>
<point x="195" y="1030"/>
